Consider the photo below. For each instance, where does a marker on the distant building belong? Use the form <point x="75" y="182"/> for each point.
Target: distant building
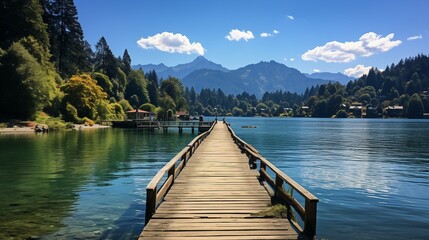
<point x="355" y="109"/>
<point x="182" y="116"/>
<point x="303" y="111"/>
<point x="371" y="112"/>
<point x="394" y="111"/>
<point x="138" y="115"/>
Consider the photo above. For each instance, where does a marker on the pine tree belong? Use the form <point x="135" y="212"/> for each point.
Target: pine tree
<point x="22" y="18"/>
<point x="104" y="60"/>
<point x="66" y="36"/>
<point x="126" y="60"/>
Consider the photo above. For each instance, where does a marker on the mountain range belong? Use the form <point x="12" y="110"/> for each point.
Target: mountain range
<point x="254" y="78"/>
<point x="339" y="77"/>
<point x="182" y="70"/>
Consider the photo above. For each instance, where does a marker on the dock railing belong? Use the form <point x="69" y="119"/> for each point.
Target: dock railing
<point x="155" y="194"/>
<point x="307" y="213"/>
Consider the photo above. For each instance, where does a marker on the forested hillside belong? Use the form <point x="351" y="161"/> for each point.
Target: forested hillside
<point x="405" y="84"/>
<point x="48" y="69"/>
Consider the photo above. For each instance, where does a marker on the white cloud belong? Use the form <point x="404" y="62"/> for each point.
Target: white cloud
<point x="170" y="42"/>
<point x="357" y="71"/>
<point x="316" y="70"/>
<point x="237" y="35"/>
<point x="264" y="35"/>
<point x="367" y="45"/>
<point x="292" y="59"/>
<point x="291" y="17"/>
<point x="415" y="37"/>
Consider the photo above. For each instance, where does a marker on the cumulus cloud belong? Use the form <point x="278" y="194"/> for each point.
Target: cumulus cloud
<point x="367" y="45"/>
<point x="292" y="59"/>
<point x="357" y="71"/>
<point x="291" y="17"/>
<point x="170" y="42"/>
<point x="264" y="35"/>
<point x="237" y="35"/>
<point x="316" y="70"/>
<point x="415" y="37"/>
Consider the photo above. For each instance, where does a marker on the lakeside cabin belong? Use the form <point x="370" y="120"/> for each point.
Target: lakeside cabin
<point x="184" y="116"/>
<point x="394" y="111"/>
<point x="137" y="115"/>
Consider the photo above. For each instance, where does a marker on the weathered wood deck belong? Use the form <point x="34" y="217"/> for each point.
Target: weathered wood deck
<point x="215" y="196"/>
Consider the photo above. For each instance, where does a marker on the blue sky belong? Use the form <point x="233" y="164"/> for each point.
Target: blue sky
<point x="328" y="36"/>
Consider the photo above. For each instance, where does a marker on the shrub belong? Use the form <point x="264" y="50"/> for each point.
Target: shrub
<point x="341" y="114"/>
<point x="88" y="122"/>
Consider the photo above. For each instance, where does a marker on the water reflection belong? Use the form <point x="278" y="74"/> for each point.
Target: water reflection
<point x="83" y="184"/>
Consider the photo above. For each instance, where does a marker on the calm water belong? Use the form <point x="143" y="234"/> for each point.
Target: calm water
<point x="371" y="176"/>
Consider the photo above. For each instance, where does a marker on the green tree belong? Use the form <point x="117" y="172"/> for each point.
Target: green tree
<point x="148" y="107"/>
<point x="125" y="105"/>
<point x="415" y="107"/>
<point x="27" y="86"/>
<point x="321" y="109"/>
<point x="172" y="87"/>
<point x="82" y="92"/>
<point x="68" y="47"/>
<point x="105" y="61"/>
<point x="104" y="82"/>
<point x="341" y="114"/>
<point x="22" y="18"/>
<point x="137" y="85"/>
<point x="126" y="63"/>
<point x="237" y="112"/>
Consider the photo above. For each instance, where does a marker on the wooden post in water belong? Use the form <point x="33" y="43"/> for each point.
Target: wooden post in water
<point x="310" y="218"/>
<point x="150" y="204"/>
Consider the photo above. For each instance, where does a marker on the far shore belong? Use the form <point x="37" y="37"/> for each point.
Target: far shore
<point x="27" y="130"/>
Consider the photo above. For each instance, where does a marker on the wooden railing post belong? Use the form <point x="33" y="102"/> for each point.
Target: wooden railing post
<point x="150" y="204"/>
<point x="171" y="172"/>
<point x="262" y="166"/>
<point x="279" y="185"/>
<point x="252" y="161"/>
<point x="310" y="218"/>
<point x="184" y="159"/>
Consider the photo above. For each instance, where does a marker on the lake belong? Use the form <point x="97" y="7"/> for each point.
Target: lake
<point x="370" y="175"/>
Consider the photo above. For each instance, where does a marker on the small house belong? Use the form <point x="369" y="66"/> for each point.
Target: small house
<point x="138" y="115"/>
<point x="184" y="116"/>
<point x="394" y="111"/>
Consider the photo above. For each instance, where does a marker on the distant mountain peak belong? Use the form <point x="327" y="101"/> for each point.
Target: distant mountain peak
<point x="331" y="77"/>
<point x="200" y="58"/>
<point x="182" y="70"/>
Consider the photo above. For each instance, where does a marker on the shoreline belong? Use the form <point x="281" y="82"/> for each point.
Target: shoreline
<point x="28" y="130"/>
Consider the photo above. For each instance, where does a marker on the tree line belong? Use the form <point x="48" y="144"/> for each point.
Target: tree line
<point x="46" y="66"/>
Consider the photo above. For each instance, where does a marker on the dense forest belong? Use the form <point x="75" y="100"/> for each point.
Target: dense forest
<point x="49" y="72"/>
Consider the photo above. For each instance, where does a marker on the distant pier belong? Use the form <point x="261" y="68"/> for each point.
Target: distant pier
<point x="201" y="126"/>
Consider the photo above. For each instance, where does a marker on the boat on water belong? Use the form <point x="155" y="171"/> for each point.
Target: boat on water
<point x="249" y="126"/>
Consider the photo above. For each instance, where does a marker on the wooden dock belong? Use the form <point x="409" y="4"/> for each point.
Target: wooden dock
<point x="213" y="190"/>
<point x="201" y="126"/>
